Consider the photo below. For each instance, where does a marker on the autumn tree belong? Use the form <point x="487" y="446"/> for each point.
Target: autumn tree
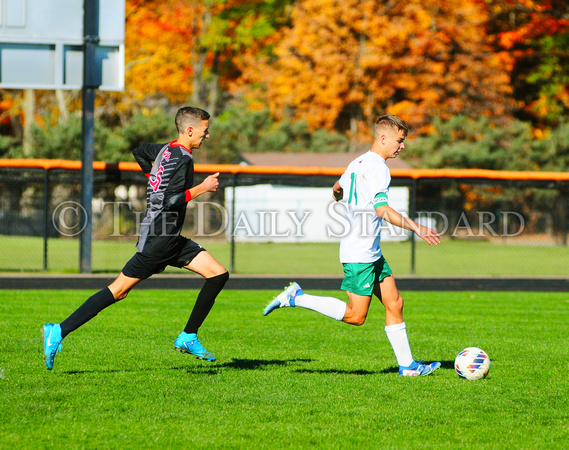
<point x="533" y="40"/>
<point x="184" y="50"/>
<point x="341" y="63"/>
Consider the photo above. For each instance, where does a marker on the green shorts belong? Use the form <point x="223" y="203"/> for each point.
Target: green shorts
<point x="360" y="278"/>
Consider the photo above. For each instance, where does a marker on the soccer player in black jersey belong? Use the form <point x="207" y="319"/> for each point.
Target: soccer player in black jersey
<point x="170" y="171"/>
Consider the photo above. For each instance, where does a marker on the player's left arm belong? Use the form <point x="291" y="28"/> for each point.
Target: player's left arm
<point x="429" y="235"/>
<point x="210" y="184"/>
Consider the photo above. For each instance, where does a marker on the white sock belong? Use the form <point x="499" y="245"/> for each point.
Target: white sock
<point x="328" y="306"/>
<point x="397" y="335"/>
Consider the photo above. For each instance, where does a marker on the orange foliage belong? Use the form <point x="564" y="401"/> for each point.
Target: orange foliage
<point x="338" y="62"/>
<point x="169" y="42"/>
<point x="537" y="21"/>
<point x="361" y="58"/>
<point x="158" y="43"/>
<point x="526" y="25"/>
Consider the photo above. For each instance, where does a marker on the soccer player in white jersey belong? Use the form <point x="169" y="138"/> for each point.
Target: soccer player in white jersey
<point x="364" y="187"/>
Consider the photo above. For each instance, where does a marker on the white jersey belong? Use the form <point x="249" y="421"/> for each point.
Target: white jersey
<point x="366" y="185"/>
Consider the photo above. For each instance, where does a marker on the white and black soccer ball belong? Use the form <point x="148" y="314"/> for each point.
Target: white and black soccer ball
<point x="472" y="363"/>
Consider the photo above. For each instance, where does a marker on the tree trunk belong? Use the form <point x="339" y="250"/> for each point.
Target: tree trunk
<point x="353" y="130"/>
<point x="214" y="89"/>
<point x="199" y="88"/>
<point x="29" y="106"/>
<point x="62" y="105"/>
<point x="197" y="84"/>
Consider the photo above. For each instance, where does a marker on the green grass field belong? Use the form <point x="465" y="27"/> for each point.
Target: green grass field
<point x="292" y="379"/>
<point x="451" y="258"/>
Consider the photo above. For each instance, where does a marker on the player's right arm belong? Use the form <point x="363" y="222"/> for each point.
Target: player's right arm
<point x="145" y="155"/>
<point x="337" y="191"/>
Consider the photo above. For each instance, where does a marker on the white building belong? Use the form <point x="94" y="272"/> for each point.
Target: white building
<point x="275" y="213"/>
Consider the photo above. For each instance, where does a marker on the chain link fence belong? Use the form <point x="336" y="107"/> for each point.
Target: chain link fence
<point x="285" y="222"/>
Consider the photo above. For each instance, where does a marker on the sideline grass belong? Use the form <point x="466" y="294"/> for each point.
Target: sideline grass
<point x="291" y="379"/>
<point x="451" y="258"/>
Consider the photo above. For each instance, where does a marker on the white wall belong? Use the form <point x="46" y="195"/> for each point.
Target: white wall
<point x="271" y="213"/>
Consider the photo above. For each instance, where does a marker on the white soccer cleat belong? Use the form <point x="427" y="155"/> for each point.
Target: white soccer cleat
<point x="417" y="368"/>
<point x="284" y="299"/>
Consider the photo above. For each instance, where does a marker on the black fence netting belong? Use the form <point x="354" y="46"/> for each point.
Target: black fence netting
<point x="279" y="223"/>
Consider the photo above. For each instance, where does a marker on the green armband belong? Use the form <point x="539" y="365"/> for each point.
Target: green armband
<point x="380" y="200"/>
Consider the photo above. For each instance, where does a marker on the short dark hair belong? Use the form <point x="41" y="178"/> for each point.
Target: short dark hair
<point x="393" y="122"/>
<point x="190" y="115"/>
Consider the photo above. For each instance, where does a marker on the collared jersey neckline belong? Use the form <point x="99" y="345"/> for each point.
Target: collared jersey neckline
<point x="174" y="143"/>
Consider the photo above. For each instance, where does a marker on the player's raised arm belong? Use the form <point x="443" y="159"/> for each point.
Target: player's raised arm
<point x="429" y="235"/>
<point x="210" y="184"/>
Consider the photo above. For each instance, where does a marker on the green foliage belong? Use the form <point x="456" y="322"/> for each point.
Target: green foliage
<point x="63" y="140"/>
<point x="235" y="131"/>
<point x="553" y="152"/>
<point x="245" y="24"/>
<point x="551" y="76"/>
<point x="239" y="130"/>
<point x="461" y="142"/>
<point x="155" y="127"/>
<point x="59" y="140"/>
<point x="10" y="147"/>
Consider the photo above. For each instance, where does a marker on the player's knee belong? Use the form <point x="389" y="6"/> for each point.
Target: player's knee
<point x="220" y="279"/>
<point x="356" y="320"/>
<point x="120" y="295"/>
<point x="359" y="321"/>
<point x="224" y="276"/>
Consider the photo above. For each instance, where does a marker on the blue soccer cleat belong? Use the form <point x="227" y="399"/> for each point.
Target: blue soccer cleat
<point x="418" y="369"/>
<point x="51" y="343"/>
<point x="284" y="299"/>
<point x="189" y="343"/>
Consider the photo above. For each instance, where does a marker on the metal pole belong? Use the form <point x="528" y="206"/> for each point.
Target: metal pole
<point x="91" y="81"/>
<point x="565" y="217"/>
<point x="412" y="212"/>
<point x="45" y="216"/>
<point x="233" y="224"/>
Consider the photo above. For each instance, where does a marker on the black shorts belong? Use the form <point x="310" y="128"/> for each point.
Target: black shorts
<point x="143" y="265"/>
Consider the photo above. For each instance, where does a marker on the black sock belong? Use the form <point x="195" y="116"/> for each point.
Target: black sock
<point x="92" y="306"/>
<point x="204" y="302"/>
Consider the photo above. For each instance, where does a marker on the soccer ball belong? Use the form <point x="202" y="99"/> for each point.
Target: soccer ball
<point x="472" y="363"/>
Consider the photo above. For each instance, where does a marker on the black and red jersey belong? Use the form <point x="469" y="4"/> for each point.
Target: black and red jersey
<point x="170" y="171"/>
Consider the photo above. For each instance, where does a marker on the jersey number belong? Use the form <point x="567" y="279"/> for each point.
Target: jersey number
<point x="353" y="190"/>
<point x="155" y="183"/>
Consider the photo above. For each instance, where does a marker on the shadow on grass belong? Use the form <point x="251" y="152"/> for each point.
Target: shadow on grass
<point x="254" y="364"/>
<point x="336" y="371"/>
<point x="207" y="368"/>
<point x="204" y="367"/>
<point x="395" y="369"/>
<point x="240" y="364"/>
<point x="83" y="372"/>
<point x="447" y="364"/>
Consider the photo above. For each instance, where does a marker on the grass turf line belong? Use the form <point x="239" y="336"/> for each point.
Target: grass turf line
<point x="291" y="379"/>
